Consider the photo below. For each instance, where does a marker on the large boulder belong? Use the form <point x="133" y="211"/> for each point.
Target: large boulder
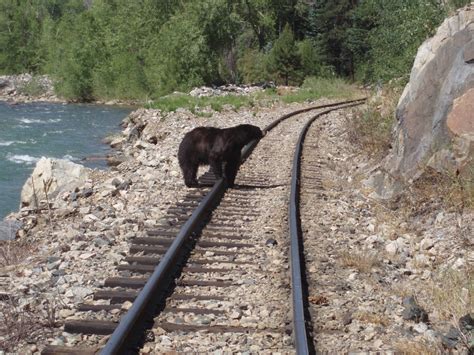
<point x="54" y="176"/>
<point x="435" y="112"/>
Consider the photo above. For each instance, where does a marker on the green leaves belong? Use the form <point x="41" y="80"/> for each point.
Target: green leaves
<point x="285" y="61"/>
<point x="146" y="48"/>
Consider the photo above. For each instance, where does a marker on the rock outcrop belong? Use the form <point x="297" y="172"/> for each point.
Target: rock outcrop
<point x="26" y="88"/>
<point x="435" y="112"/>
<point x="53" y="176"/>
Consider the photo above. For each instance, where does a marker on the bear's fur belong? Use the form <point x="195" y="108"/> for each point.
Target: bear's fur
<point x="215" y="146"/>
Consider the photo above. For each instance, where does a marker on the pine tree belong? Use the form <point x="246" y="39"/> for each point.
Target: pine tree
<point x="285" y="61"/>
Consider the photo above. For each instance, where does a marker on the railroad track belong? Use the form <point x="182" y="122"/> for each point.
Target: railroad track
<point x="210" y="274"/>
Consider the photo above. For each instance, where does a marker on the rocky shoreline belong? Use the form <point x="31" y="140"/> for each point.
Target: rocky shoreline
<point x="63" y="253"/>
<point x="27" y="88"/>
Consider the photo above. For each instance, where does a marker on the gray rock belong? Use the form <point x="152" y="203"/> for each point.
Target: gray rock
<point x="413" y="311"/>
<point x="430" y="122"/>
<point x="451" y="339"/>
<point x="61" y="175"/>
<point x="466" y="323"/>
<point x="87" y="192"/>
<point x="9" y="228"/>
<point x="271" y="242"/>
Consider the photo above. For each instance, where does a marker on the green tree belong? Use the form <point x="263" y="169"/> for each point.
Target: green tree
<point x="284" y="60"/>
<point x="74" y="56"/>
<point x="19" y="36"/>
<point x="312" y="61"/>
<point x="395" y="31"/>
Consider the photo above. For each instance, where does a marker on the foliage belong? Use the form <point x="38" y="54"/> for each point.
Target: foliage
<point x="253" y="66"/>
<point x="72" y="61"/>
<point x="32" y="88"/>
<point x="284" y="60"/>
<point x="398" y="28"/>
<point x="371" y="128"/>
<point x="147" y="48"/>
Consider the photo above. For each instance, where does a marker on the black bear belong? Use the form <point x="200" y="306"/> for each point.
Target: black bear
<point x="215" y="146"/>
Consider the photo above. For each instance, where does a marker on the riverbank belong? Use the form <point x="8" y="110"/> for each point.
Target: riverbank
<point x="23" y="88"/>
<point x="74" y="132"/>
<point x="26" y="88"/>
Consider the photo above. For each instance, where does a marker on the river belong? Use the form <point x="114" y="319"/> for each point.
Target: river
<point x="32" y="130"/>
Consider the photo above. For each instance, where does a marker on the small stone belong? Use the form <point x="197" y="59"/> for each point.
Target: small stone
<point x="166" y="341"/>
<point x="392" y="248"/>
<point x="347" y="318"/>
<point x="85" y="256"/>
<point x="370" y="335"/>
<point x="87" y="193"/>
<point x="53" y="259"/>
<point x="378" y="344"/>
<point x="146" y="349"/>
<point x="426" y="243"/>
<point x="126" y="305"/>
<point x="66" y="313"/>
<point x="352" y="276"/>
<point x="420" y="327"/>
<point x="451" y="339"/>
<point x="413" y="311"/>
<point x="57" y="342"/>
<point x="235" y="315"/>
<point x="430" y="335"/>
<point x="271" y="242"/>
<point x="466" y="323"/>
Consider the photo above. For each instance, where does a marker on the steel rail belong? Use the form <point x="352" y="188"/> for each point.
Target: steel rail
<point x="311" y="108"/>
<point x="300" y="334"/>
<point x="121" y="339"/>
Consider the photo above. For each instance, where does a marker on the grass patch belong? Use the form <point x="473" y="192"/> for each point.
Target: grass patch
<point x="373" y="318"/>
<point x="312" y="89"/>
<point x="371" y="128"/>
<point x="424" y="347"/>
<point x="456" y="191"/>
<point x="363" y="261"/>
<point x="452" y="293"/>
<point x="173" y="102"/>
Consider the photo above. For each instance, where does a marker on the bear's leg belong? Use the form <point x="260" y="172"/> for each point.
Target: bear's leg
<point x="216" y="165"/>
<point x="231" y="169"/>
<point x="189" y="173"/>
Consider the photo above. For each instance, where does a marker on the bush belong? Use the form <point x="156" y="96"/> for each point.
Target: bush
<point x="252" y="66"/>
<point x="284" y="59"/>
<point x="371" y="128"/>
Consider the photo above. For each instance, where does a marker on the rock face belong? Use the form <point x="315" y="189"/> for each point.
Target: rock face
<point x="435" y="112"/>
<point x="61" y="175"/>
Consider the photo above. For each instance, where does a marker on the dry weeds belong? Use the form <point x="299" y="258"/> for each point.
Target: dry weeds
<point x="14" y="252"/>
<point x="371" y="128"/>
<point x="421" y="347"/>
<point x="374" y="318"/>
<point x="19" y="323"/>
<point x="452" y="293"/>
<point x="363" y="261"/>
